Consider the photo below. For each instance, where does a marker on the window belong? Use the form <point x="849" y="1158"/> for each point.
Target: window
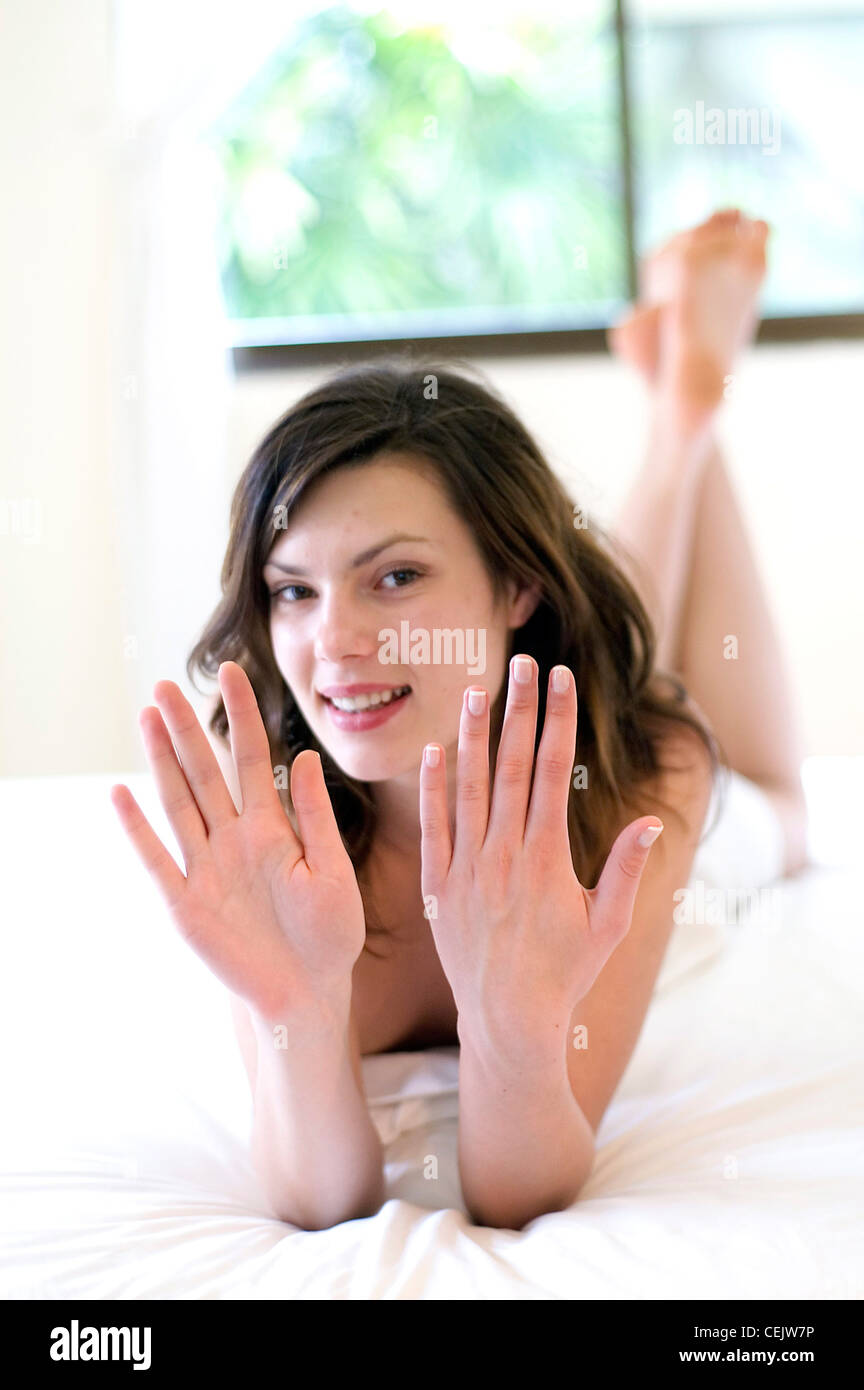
<point x="760" y="108"/>
<point x="393" y="176"/>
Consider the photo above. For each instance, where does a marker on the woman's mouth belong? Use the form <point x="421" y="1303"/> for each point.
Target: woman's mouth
<point x="357" y="713"/>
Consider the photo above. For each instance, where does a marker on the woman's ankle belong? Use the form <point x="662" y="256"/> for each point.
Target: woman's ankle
<point x="681" y="439"/>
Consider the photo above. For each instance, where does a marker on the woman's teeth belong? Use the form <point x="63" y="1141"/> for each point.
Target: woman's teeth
<point x="381" y="697"/>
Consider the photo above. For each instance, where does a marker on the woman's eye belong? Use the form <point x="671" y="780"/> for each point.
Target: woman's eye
<point x="414" y="573"/>
<point x="287" y="594"/>
<point x="281" y="593"/>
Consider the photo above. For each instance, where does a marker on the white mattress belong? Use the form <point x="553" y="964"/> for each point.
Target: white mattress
<point x="729" y="1165"/>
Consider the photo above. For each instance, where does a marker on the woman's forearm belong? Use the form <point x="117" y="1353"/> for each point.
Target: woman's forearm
<point x="655" y="523"/>
<point x="525" y="1146"/>
<point x="313" y="1142"/>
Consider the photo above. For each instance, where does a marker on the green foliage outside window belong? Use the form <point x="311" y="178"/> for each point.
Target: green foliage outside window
<point x="370" y="169"/>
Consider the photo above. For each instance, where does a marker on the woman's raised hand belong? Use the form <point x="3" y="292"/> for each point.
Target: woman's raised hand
<point x="520" y="940"/>
<point x="279" y="921"/>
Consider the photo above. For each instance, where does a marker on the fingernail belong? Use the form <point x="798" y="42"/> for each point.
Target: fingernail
<point x="432" y="755"/>
<point x="560" y="679"/>
<point x="650" y="835"/>
<point x="521" y="669"/>
<point x="476" y="701"/>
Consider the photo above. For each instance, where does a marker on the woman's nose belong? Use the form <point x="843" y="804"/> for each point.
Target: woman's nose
<point x="343" y="630"/>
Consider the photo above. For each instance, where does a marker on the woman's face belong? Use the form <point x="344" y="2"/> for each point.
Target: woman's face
<point x="339" y="583"/>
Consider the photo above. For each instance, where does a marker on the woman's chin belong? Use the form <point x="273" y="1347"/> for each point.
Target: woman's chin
<point x="376" y="767"/>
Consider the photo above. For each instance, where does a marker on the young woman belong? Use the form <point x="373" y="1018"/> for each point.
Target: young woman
<point x="467" y="859"/>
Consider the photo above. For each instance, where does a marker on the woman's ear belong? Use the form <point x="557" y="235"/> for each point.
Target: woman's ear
<point x="523" y="600"/>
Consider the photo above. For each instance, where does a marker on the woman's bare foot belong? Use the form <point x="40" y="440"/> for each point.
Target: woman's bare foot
<point x="636" y="338"/>
<point x="697" y="310"/>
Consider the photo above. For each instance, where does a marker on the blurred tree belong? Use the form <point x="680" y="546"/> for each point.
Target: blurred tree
<point x="376" y="169"/>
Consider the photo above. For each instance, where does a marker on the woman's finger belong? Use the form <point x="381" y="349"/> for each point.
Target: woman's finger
<point x="149" y="848"/>
<point x="436" y="849"/>
<point x="175" y="794"/>
<point x="550" y="794"/>
<point x="202" y="771"/>
<point x="322" y="846"/>
<point x="515" y="761"/>
<point x="472" y="772"/>
<point x="249" y="743"/>
<point x="614" y="897"/>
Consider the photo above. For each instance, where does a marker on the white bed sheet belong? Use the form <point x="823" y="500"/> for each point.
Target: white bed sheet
<point x="730" y="1162"/>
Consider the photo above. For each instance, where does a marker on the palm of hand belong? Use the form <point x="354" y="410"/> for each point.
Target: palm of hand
<point x="275" y="917"/>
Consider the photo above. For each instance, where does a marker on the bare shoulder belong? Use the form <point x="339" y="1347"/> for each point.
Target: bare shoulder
<point x="679" y="792"/>
<point x="686" y="776"/>
<point x="611" y="1015"/>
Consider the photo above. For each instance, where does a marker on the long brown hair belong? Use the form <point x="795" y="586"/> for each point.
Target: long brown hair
<point x="589" y="616"/>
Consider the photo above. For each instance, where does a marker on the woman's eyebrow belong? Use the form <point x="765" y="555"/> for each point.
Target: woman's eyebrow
<point x="358" y="560"/>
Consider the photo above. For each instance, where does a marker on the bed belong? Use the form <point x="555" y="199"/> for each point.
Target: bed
<point x="730" y="1163"/>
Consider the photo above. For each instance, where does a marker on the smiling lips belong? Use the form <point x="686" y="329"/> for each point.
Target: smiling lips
<point x="356" y="708"/>
<point x="353" y="698"/>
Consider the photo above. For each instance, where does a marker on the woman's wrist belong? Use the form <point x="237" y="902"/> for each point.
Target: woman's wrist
<point x="310" y="1014"/>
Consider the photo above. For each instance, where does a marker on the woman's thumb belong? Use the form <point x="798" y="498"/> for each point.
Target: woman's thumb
<point x="615" y="894"/>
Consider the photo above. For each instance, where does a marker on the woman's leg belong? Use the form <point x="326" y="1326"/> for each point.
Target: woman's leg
<point x="730" y="658"/>
<point x="701" y="583"/>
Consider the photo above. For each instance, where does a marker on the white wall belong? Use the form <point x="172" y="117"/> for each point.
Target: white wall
<point x="62" y="684"/>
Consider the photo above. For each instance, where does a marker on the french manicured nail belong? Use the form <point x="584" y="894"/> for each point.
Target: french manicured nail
<point x="560" y="679"/>
<point x="476" y="701"/>
<point x="650" y="835"/>
<point x="521" y="669"/>
<point x="432" y="755"/>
